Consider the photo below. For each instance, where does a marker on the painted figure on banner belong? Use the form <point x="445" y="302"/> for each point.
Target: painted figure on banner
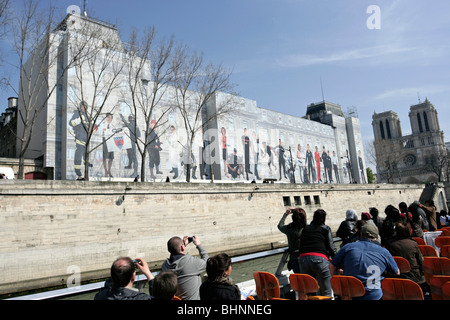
<point x="174" y="151"/>
<point x="299" y="162"/>
<point x="361" y="168"/>
<point x="335" y="167"/>
<point x="154" y="148"/>
<point x="79" y="123"/>
<point x="135" y="134"/>
<point x="224" y="145"/>
<point x="246" y="146"/>
<point x="309" y="164"/>
<point x="255" y="153"/>
<point x="318" y="159"/>
<point x="281" y="159"/>
<point x="108" y="144"/>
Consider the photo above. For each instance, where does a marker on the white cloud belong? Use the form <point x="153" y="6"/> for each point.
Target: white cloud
<point x="302" y="60"/>
<point x="401" y="93"/>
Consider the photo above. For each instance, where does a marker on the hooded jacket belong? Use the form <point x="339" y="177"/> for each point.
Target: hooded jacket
<point x="111" y="292"/>
<point x="188" y="270"/>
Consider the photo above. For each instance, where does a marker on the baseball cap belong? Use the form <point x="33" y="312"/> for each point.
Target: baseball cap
<point x="370" y="231"/>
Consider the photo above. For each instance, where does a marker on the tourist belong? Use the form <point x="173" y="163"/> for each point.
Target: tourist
<point x="219" y="285"/>
<point x="293" y="232"/>
<point x="358" y="227"/>
<point x="165" y="286"/>
<point x="365" y="216"/>
<point x="316" y="246"/>
<point x="417" y="222"/>
<point x="365" y="260"/>
<point x="430" y="211"/>
<point x="123" y="275"/>
<point x="376" y="217"/>
<point x="404" y="213"/>
<point x="444" y="219"/>
<point x="388" y="228"/>
<point x="405" y="247"/>
<point x="187" y="268"/>
<point x="346" y="230"/>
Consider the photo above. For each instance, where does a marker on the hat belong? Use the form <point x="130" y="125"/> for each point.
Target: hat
<point x="369" y="231"/>
<point x="351" y="214"/>
<point x="365" y="216"/>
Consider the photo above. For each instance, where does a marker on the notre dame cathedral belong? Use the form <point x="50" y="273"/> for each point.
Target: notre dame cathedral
<point x="414" y="158"/>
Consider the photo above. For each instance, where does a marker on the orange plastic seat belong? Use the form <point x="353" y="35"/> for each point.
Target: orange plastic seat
<point x="428" y="251"/>
<point x="446" y="291"/>
<point x="304" y="285"/>
<point x="444" y="233"/>
<point x="445" y="251"/>
<point x="435" y="266"/>
<point x="436" y="283"/>
<point x="401" y="289"/>
<point x="347" y="287"/>
<point x="442" y="241"/>
<point x="402" y="264"/>
<point x="267" y="285"/>
<point x="419" y="241"/>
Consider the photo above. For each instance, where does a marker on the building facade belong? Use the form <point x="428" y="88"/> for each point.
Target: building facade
<point x="410" y="158"/>
<point x="8" y="128"/>
<point x="249" y="143"/>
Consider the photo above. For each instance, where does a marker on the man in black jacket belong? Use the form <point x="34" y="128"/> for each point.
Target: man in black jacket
<point x="120" y="285"/>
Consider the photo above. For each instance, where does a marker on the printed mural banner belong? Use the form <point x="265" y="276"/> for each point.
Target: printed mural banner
<point x="118" y="139"/>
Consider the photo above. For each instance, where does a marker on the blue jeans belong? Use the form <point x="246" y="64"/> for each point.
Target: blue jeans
<point x="318" y="268"/>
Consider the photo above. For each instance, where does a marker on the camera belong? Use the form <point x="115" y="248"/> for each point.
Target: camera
<point x="190" y="239"/>
<point x="136" y="263"/>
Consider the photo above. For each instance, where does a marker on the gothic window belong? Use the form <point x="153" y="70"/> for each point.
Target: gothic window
<point x="388" y="130"/>
<point x="382" y="130"/>
<point x="419" y="120"/>
<point x="425" y="119"/>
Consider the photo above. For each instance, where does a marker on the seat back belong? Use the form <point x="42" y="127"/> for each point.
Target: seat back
<point x="446" y="291"/>
<point x="436" y="283"/>
<point x="445" y="251"/>
<point x="347" y="287"/>
<point x="419" y="241"/>
<point x="428" y="251"/>
<point x="267" y="285"/>
<point x="402" y="264"/>
<point x="401" y="289"/>
<point x="445" y="232"/>
<point x="435" y="266"/>
<point x="303" y="284"/>
<point x="441" y="241"/>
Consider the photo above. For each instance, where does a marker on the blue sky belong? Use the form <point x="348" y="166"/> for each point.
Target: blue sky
<point x="280" y="50"/>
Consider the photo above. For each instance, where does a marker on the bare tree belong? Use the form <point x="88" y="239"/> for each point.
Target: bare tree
<point x="369" y="150"/>
<point x="149" y="75"/>
<point x="96" y="77"/>
<point x="4" y="19"/>
<point x="438" y="163"/>
<point x="390" y="169"/>
<point x="197" y="86"/>
<point x="37" y="47"/>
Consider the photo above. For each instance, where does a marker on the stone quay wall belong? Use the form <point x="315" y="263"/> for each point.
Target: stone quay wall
<point x="67" y="232"/>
